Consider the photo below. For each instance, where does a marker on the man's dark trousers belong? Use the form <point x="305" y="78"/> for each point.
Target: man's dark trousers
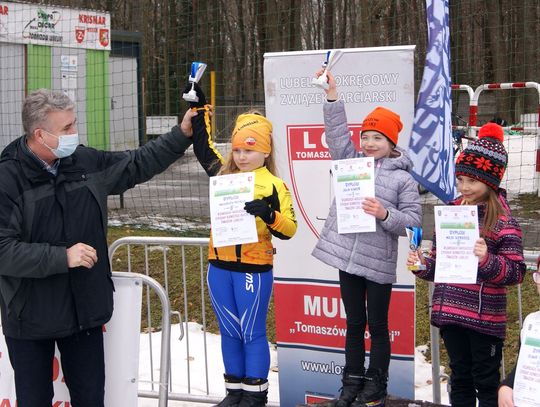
<point x="82" y="361"/>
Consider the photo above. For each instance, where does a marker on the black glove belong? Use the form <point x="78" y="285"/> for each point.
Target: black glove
<point x="260" y="208"/>
<point x="200" y="94"/>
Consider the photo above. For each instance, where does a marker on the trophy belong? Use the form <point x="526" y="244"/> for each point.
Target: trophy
<point x="414" y="234"/>
<point x="197" y="70"/>
<point x="331" y="59"/>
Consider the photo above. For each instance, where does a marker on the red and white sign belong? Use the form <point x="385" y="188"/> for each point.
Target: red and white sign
<point x="313" y="314"/>
<point x="309" y="159"/>
<point x="55" y="26"/>
<point x="310" y="320"/>
<point x="104" y="37"/>
<point x="79" y="35"/>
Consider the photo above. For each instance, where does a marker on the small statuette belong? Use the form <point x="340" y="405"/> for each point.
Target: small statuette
<point x="331" y="59"/>
<point x="414" y="234"/>
<point x="197" y="70"/>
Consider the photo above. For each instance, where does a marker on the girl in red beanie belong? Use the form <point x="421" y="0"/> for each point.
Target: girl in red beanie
<point x="472" y="317"/>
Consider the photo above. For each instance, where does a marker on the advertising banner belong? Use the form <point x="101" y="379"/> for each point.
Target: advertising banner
<point x="54" y="26"/>
<point x="310" y="318"/>
<point x="431" y="144"/>
<point x="121" y="340"/>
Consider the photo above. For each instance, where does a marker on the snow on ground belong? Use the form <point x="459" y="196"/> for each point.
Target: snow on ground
<point x="423" y="380"/>
<point x="195" y="337"/>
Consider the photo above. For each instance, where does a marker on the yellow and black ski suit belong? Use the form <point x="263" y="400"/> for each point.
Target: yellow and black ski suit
<point x="252" y="257"/>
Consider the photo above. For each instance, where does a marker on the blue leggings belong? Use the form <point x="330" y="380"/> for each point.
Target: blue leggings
<point x="240" y="301"/>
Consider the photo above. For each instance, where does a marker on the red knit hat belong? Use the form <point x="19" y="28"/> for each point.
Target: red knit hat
<point x="485" y="159"/>
<point x="384" y="121"/>
<point x="492" y="130"/>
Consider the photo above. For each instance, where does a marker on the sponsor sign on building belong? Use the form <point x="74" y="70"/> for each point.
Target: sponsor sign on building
<point x="54" y="26"/>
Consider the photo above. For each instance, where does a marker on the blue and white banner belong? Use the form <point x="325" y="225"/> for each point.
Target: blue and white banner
<point x="430" y="146"/>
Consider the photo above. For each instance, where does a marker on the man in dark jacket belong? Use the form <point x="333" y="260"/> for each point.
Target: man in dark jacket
<point x="55" y="278"/>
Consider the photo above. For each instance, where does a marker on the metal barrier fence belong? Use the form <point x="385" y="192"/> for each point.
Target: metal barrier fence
<point x="181" y="243"/>
<point x="165" y="245"/>
<point x="435" y="336"/>
<point x="162" y="393"/>
<point x="165" y="380"/>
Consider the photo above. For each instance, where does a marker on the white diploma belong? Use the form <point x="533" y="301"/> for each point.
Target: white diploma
<point x="353" y="180"/>
<point x="231" y="224"/>
<point x="527" y="379"/>
<point x="456" y="229"/>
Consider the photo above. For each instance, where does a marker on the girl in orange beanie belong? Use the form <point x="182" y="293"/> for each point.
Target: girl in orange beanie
<point x="367" y="261"/>
<point x="240" y="277"/>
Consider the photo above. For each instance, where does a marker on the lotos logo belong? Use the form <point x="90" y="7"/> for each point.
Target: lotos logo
<point x="250" y="141"/>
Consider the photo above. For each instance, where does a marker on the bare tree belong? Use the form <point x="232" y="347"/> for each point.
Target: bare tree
<point x="328" y="23"/>
<point x="491" y="40"/>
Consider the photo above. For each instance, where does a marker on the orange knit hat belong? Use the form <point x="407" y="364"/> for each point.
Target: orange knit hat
<point x="252" y="132"/>
<point x="384" y="121"/>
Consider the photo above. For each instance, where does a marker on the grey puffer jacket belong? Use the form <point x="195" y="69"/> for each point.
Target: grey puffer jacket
<point x="371" y="255"/>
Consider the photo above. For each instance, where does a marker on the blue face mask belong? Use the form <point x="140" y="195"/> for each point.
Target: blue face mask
<point x="67" y="143"/>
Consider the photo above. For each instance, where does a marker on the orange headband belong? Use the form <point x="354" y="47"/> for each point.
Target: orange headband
<point x="252" y="132"/>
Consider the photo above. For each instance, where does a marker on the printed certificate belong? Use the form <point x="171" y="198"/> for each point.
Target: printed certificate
<point x="353" y="180"/>
<point x="527" y="379"/>
<point x="231" y="224"/>
<point x="456" y="229"/>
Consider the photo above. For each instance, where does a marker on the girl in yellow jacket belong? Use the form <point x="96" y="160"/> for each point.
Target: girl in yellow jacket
<point x="240" y="277"/>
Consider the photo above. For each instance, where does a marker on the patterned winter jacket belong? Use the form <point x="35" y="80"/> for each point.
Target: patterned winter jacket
<point x="372" y="255"/>
<point x="481" y="306"/>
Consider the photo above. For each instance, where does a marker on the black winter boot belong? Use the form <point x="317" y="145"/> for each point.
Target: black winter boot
<point x="233" y="386"/>
<point x="254" y="393"/>
<point x="373" y="394"/>
<point x="352" y="385"/>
